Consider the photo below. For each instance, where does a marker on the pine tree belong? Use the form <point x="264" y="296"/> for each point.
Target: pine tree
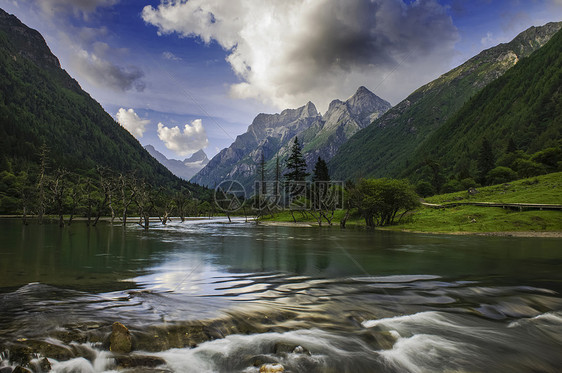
<point x="486" y="160"/>
<point x="321" y="172"/>
<point x="277" y="176"/>
<point x="296" y="164"/>
<point x="511" y="147"/>
<point x="262" y="175"/>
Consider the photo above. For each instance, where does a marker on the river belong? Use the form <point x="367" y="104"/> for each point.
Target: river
<point x="209" y="296"/>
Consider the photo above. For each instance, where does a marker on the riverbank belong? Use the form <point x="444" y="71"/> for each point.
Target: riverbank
<point x="457" y="218"/>
<point x="541" y="234"/>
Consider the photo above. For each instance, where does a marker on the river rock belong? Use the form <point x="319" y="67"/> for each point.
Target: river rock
<point x="259" y="360"/>
<point x="19" y="354"/>
<point x="51" y="349"/>
<point x="20" y="369"/>
<point x="6" y="370"/>
<point x="45" y="365"/>
<point x="272" y="368"/>
<point x="120" y="339"/>
<point x="379" y="339"/>
<point x="138" y="361"/>
<point x="287" y="348"/>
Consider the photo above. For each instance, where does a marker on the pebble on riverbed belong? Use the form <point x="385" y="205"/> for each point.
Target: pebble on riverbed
<point x="120" y="339"/>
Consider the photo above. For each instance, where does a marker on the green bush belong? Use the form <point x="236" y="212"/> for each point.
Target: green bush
<point x="425" y="189"/>
<point x="501" y="175"/>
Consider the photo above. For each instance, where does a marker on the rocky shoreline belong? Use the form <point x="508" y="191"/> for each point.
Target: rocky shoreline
<point x="136" y="349"/>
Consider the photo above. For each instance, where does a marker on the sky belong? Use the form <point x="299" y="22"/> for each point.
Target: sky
<point x="189" y="75"/>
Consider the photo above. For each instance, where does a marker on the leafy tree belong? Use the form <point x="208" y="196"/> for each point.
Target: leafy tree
<point x="549" y="157"/>
<point x="468" y="183"/>
<point x="296" y="163"/>
<point x="379" y="200"/>
<point x="452" y="186"/>
<point x="501" y="174"/>
<point x="527" y="168"/>
<point x="321" y="172"/>
<point x="425" y="189"/>
<point x="486" y="160"/>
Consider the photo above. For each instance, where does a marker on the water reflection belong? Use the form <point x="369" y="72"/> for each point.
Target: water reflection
<point x="358" y="301"/>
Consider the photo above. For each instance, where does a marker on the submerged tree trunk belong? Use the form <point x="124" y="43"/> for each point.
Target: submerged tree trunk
<point x="343" y="222"/>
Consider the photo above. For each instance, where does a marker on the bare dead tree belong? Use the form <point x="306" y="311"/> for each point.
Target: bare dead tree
<point x="41" y="183"/>
<point x="145" y="203"/>
<point x="107" y="186"/>
<point x="57" y="187"/>
<point x="89" y="201"/>
<point x="76" y="195"/>
<point x="182" y="199"/>
<point x="127" y="184"/>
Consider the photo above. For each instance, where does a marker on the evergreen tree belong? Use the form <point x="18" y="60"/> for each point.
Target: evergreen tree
<point x="277" y="176"/>
<point x="296" y="164"/>
<point x="486" y="160"/>
<point x="321" y="172"/>
<point x="511" y="147"/>
<point x="263" y="188"/>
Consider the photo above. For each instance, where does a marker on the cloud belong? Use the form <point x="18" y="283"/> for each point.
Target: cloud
<point x="190" y="140"/>
<point x="77" y="7"/>
<point x="288" y="52"/>
<point x="131" y="122"/>
<point x="170" y="56"/>
<point x="100" y="72"/>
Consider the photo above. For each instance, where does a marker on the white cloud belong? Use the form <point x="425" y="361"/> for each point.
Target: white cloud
<point x="170" y="56"/>
<point x="131" y="122"/>
<point x="288" y="52"/>
<point x="190" y="140"/>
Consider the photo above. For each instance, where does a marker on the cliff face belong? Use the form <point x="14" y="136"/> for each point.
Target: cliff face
<point x="340" y="122"/>
<point x="267" y="133"/>
<point x="273" y="134"/>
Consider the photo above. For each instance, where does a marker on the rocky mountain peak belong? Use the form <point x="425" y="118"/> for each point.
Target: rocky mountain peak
<point x="365" y="101"/>
<point x="309" y="110"/>
<point x="28" y="42"/>
<point x="199" y="156"/>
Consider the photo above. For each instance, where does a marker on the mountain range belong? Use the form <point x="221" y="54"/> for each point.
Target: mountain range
<point x="271" y="135"/>
<point x="508" y="92"/>
<point x="185" y="169"/>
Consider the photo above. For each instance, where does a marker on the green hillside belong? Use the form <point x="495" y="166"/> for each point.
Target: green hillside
<point x="40" y="103"/>
<point x="388" y="145"/>
<point x="42" y="106"/>
<point x="524" y="106"/>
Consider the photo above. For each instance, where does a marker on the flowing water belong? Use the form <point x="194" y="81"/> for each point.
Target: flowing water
<point x="208" y="296"/>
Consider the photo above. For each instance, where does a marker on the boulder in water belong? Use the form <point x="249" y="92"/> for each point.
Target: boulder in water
<point x="272" y="368"/>
<point x="45" y="365"/>
<point x="20" y="369"/>
<point x="138" y="361"/>
<point x="120" y="339"/>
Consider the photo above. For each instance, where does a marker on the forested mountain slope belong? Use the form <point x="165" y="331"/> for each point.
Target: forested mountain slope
<point x="41" y="104"/>
<point x="524" y="107"/>
<point x="388" y="146"/>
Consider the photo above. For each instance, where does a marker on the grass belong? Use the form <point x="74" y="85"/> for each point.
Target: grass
<point x="474" y="219"/>
<point x="539" y="189"/>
